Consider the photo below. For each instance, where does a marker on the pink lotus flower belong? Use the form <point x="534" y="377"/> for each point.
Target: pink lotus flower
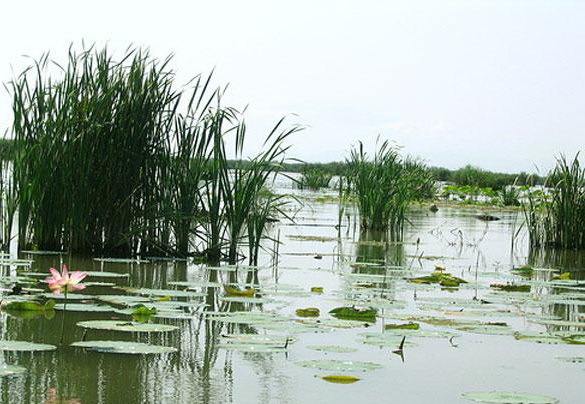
<point x="64" y="281"/>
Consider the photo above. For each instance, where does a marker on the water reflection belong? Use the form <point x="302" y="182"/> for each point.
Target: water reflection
<point x="572" y="261"/>
<point x="376" y="247"/>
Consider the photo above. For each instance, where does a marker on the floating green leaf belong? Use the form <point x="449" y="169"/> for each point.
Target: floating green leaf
<point x="332" y="348"/>
<point x="95" y="308"/>
<point x="125" y="326"/>
<point x="525" y="271"/>
<point x="511" y="287"/>
<point x="507" y="397"/>
<point x="308" y="312"/>
<point x="442" y="278"/>
<point x="340" y="365"/>
<point x="25" y="346"/>
<point x="341" y="379"/>
<point x="29" y="306"/>
<point x="106" y="274"/>
<point x="407" y="326"/>
<point x="11" y="370"/>
<point x="124" y="347"/>
<point x="164" y="292"/>
<point x="235" y="291"/>
<point x="355" y="313"/>
<point x="572" y="359"/>
<point x="121" y="260"/>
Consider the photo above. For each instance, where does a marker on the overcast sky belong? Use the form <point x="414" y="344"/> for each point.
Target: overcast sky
<point x="497" y="83"/>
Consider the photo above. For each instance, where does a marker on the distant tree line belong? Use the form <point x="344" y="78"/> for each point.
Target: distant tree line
<point x="468" y="175"/>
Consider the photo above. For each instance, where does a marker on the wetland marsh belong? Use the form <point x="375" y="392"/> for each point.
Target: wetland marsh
<point x="240" y="349"/>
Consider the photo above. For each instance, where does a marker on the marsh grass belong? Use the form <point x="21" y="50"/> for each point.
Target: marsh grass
<point x="557" y="218"/>
<point x="314" y="178"/>
<point x="385" y="185"/>
<point x="110" y="158"/>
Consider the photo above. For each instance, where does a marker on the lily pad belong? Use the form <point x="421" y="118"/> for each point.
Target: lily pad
<point x="341" y="379"/>
<point x="355" y="313"/>
<point x="256" y="300"/>
<point x="340" y="365"/>
<point x="308" y="312"/>
<point x="29" y="306"/>
<point x="195" y="284"/>
<point x="540" y="338"/>
<point x="572" y="359"/>
<point x="125" y="326"/>
<point x="95" y="308"/>
<point x="163" y="292"/>
<point x="252" y="347"/>
<point x="122" y="300"/>
<point x="405" y="326"/>
<point x="124" y="347"/>
<point x="70" y="296"/>
<point x="25" y="346"/>
<point x="121" y="260"/>
<point x="236" y="291"/>
<point x="507" y="397"/>
<point x="332" y="348"/>
<point x="11" y="370"/>
<point x="39" y="252"/>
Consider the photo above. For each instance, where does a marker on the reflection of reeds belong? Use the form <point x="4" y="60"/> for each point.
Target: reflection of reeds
<point x="558" y="220"/>
<point x="385" y="185"/>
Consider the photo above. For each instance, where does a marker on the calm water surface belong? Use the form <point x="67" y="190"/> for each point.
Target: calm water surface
<point x="434" y="370"/>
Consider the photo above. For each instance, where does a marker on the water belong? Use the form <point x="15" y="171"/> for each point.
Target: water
<point x="432" y="370"/>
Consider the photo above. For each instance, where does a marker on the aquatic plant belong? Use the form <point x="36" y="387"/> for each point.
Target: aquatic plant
<point x="59" y="282"/>
<point x="556" y="218"/>
<point x="509" y="196"/>
<point x="314" y="178"/>
<point x="385" y="185"/>
<point x="63" y="282"/>
<point x="110" y="158"/>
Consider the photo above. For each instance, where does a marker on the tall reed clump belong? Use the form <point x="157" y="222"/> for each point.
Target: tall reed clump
<point x="110" y="158"/>
<point x="556" y="218"/>
<point x="314" y="178"/>
<point x="385" y="185"/>
<point x="88" y="148"/>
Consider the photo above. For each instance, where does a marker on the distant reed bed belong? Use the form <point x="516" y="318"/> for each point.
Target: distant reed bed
<point x="385" y="185"/>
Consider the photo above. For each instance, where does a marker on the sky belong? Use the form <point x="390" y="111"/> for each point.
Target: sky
<point x="498" y="84"/>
